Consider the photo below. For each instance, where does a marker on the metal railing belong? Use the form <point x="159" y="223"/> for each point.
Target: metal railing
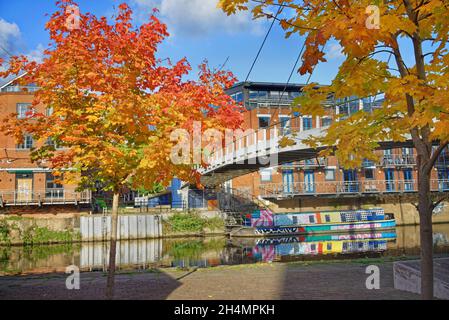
<point x="276" y="190"/>
<point x="20" y="89"/>
<point x="44" y="197"/>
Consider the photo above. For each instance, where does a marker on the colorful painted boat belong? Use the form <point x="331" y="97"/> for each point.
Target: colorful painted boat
<point x="265" y="223"/>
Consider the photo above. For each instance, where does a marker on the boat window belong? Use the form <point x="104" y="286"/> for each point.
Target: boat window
<point x="312" y="219"/>
<point x="328" y="218"/>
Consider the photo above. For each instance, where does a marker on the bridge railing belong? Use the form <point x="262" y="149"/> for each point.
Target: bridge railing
<point x="277" y="190"/>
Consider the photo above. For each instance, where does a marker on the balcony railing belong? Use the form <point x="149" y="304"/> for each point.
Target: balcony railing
<point x="279" y="190"/>
<point x="398" y="160"/>
<point x="20" y="89"/>
<point x="44" y="197"/>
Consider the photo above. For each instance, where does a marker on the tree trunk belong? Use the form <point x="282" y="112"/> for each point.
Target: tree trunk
<point x="113" y="247"/>
<point x="425" y="209"/>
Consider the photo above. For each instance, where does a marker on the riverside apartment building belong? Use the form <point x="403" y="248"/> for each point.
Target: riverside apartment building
<point x="322" y="183"/>
<point x="23" y="182"/>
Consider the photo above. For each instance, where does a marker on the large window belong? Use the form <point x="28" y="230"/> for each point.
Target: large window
<point x="26" y="144"/>
<point x="408" y="180"/>
<point x="266" y="175"/>
<point x="238" y="97"/>
<point x="264" y="122"/>
<point x="369" y="173"/>
<point x="326" y="121"/>
<point x="285" y="125"/>
<point x="23" y="110"/>
<point x="307" y="123"/>
<point x="329" y="174"/>
<point x="53" y="189"/>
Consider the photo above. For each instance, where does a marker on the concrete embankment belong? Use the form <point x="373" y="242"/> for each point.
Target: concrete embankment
<point x="74" y="227"/>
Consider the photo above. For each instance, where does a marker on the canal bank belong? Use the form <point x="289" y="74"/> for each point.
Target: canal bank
<point x="73" y="227"/>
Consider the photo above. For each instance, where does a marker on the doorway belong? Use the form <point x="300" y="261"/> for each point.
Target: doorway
<point x="24" y="187"/>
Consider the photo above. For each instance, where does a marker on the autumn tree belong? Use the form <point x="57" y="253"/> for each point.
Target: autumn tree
<point x="112" y="104"/>
<point x="394" y="47"/>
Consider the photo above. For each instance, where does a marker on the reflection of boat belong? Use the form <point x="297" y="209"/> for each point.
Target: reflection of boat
<point x="265" y="223"/>
<point x="269" y="249"/>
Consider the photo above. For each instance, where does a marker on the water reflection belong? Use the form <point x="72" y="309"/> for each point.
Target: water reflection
<point x="217" y="251"/>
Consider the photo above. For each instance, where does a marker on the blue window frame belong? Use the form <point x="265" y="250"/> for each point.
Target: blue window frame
<point x="287" y="181"/>
<point x="307" y="123"/>
<point x="443" y="177"/>
<point x="309" y="181"/>
<point x="408" y="180"/>
<point x="389" y="180"/>
<point x="350" y="181"/>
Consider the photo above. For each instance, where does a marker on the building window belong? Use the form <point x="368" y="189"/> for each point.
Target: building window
<point x="369" y="173"/>
<point x="326" y="121"/>
<point x="285" y="125"/>
<point x="329" y="174"/>
<point x="275" y="94"/>
<point x="408" y="180"/>
<point x="254" y="94"/>
<point x="27" y="143"/>
<point x="264" y="122"/>
<point x="53" y="189"/>
<point x="23" y="110"/>
<point x="266" y="175"/>
<point x="49" y="111"/>
<point x="238" y="97"/>
<point x="307" y="123"/>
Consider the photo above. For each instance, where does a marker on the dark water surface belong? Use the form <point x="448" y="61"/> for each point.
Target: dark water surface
<point x="143" y="254"/>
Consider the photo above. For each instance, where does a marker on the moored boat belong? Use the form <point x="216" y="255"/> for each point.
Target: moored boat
<point x="265" y="223"/>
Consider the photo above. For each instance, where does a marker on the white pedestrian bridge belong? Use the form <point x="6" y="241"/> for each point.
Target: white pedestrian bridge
<point x="261" y="149"/>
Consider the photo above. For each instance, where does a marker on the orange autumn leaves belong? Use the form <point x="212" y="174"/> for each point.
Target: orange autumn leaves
<point x="415" y="84"/>
<point x="114" y="103"/>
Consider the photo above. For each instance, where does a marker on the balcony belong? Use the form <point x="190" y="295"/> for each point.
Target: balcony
<point x="336" y="188"/>
<point x="398" y="160"/>
<point x="44" y="197"/>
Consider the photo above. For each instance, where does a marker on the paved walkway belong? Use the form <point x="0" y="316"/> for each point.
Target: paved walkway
<point x="267" y="281"/>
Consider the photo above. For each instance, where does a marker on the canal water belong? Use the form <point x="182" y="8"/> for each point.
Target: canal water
<point x="208" y="252"/>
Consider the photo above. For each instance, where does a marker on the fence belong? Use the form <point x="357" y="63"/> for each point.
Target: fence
<point x="130" y="227"/>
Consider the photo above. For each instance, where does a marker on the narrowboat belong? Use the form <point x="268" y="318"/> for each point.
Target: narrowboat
<point x="264" y="223"/>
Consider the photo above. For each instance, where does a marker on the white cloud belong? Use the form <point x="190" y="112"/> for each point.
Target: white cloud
<point x="335" y="51"/>
<point x="37" y="54"/>
<point x="9" y="33"/>
<point x="11" y="43"/>
<point x="199" y="17"/>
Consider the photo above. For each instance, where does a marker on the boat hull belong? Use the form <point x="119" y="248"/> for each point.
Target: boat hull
<point x="348" y="227"/>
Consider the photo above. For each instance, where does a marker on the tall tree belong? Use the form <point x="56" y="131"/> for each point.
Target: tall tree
<point x="112" y="104"/>
<point x="398" y="47"/>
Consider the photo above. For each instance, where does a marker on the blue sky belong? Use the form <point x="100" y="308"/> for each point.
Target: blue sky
<point x="198" y="31"/>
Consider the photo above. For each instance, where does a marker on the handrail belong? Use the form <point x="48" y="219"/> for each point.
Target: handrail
<point x="349" y="187"/>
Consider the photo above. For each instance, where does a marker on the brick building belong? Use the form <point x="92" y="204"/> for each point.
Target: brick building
<point x="21" y="181"/>
<point x="322" y="182"/>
